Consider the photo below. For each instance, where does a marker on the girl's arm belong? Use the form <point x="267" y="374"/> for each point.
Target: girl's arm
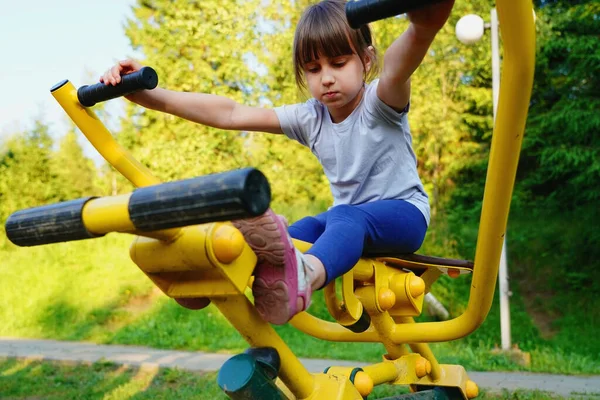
<point x="406" y="53"/>
<point x="206" y="109"/>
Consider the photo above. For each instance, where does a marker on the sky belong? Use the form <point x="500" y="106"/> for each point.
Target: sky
<point x="43" y="42"/>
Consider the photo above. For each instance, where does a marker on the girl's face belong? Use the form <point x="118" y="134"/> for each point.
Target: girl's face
<point x="337" y="82"/>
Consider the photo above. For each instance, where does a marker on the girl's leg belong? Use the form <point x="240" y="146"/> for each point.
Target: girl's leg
<point x="393" y="224"/>
<point x="308" y="229"/>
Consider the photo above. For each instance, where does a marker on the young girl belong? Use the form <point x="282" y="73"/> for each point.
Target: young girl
<point x="358" y="131"/>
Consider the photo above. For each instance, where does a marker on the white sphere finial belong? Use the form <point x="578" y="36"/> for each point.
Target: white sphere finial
<point x="469" y="29"/>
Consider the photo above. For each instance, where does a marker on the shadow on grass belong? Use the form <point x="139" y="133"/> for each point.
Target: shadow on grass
<point x="26" y="379"/>
<point x="62" y="320"/>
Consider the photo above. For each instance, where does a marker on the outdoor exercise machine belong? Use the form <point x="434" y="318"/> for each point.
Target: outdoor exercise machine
<point x="186" y="246"/>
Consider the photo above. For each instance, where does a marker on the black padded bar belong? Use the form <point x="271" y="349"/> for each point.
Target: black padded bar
<point x="363" y="12"/>
<point x="54" y="223"/>
<point x="219" y="197"/>
<point x="145" y="78"/>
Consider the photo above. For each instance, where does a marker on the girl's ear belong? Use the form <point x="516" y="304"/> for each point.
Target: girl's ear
<point x="369" y="53"/>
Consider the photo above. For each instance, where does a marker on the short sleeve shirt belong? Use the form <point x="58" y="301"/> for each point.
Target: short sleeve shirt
<point x="366" y="157"/>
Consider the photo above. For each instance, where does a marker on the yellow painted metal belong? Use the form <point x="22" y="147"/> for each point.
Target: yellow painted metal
<point x="108" y="214"/>
<point x="348" y="311"/>
<point x="472" y="390"/>
<point x="381" y="321"/>
<point x="334" y="388"/>
<point x="228" y="243"/>
<point x="237" y="272"/>
<point x="424" y="350"/>
<point x="331" y="331"/>
<point x="188" y="266"/>
<point x="452" y="376"/>
<point x="401" y="283"/>
<point x="244" y="317"/>
<point x="386" y="299"/>
<point x="101" y="138"/>
<point x="429" y="277"/>
<point x="363" y="383"/>
<point x="383" y="372"/>
<point x="412" y="369"/>
<point x="111" y="214"/>
<point x="416" y="286"/>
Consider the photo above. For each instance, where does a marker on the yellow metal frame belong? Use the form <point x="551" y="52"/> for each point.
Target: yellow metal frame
<point x="213" y="261"/>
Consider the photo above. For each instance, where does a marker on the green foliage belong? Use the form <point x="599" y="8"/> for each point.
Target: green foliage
<point x="561" y="155"/>
<point x="25" y="173"/>
<point x="451" y="107"/>
<point x="33" y="172"/>
<point x="75" y="173"/>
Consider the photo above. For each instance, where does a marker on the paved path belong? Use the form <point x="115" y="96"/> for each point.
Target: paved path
<point x="198" y="361"/>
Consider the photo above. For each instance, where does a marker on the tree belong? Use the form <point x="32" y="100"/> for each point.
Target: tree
<point x="75" y="173"/>
<point x="561" y="150"/>
<point x="26" y="178"/>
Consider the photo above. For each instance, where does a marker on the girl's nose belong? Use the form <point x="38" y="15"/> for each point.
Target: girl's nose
<point x="327" y="79"/>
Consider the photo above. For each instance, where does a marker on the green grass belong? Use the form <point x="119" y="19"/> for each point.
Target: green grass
<point x="68" y="291"/>
<point x="26" y="379"/>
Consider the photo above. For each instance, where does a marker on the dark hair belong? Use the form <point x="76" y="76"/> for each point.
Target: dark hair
<point x="324" y="31"/>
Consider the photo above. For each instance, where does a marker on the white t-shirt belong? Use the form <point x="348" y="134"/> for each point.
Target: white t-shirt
<point x="366" y="157"/>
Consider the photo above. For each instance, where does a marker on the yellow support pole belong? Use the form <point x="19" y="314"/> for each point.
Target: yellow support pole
<point x="243" y="316"/>
<point x="424" y="350"/>
<point x="100" y="137"/>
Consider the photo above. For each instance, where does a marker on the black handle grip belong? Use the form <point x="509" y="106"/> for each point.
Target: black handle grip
<point x="145" y="78"/>
<point x="219" y="197"/>
<point x="61" y="222"/>
<point x="363" y="12"/>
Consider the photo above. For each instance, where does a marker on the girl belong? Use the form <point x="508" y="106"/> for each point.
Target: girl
<point x="358" y="131"/>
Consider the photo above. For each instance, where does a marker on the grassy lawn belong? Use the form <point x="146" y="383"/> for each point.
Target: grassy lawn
<point x="20" y="379"/>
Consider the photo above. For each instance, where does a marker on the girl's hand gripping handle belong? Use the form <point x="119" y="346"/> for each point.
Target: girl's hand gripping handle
<point x="113" y="85"/>
<point x="363" y="12"/>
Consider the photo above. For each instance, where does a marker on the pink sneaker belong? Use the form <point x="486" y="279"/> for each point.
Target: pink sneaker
<point x="280" y="278"/>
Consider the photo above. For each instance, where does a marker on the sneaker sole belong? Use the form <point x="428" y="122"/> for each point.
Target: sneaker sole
<point x="271" y="292"/>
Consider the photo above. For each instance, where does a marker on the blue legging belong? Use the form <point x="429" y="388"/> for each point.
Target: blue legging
<point x="341" y="234"/>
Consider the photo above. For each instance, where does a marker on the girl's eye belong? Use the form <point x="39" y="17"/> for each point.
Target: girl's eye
<point x="312" y="69"/>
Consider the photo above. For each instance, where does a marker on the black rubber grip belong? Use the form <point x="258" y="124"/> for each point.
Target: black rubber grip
<point x="145" y="78"/>
<point x="219" y="197"/>
<point x="54" y="223"/>
<point x="363" y="12"/>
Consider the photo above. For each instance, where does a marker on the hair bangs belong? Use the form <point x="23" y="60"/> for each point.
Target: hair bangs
<point x="324" y="37"/>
